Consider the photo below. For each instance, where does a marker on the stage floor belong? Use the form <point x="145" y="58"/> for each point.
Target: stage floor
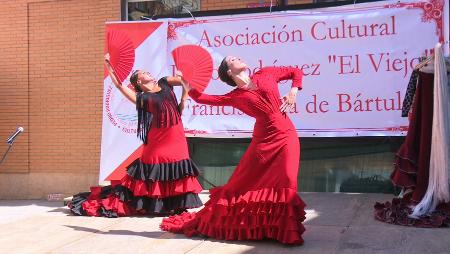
<point x="336" y="223"/>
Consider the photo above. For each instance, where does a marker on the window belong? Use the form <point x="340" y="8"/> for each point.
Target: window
<point x="135" y="9"/>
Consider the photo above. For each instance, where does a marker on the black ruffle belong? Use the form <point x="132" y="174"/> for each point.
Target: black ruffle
<point x="163" y="171"/>
<point x="76" y="204"/>
<point x="144" y="205"/>
<point x="167" y="205"/>
<point x="119" y="191"/>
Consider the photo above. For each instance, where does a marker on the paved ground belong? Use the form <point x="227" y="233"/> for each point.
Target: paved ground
<point x="336" y="223"/>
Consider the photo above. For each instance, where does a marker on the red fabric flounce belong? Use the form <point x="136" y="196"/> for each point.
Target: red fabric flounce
<point x="264" y="214"/>
<point x="112" y="203"/>
<point x="267" y="195"/>
<point x="405" y="171"/>
<point x="161" y="189"/>
<point x="92" y="207"/>
<point x="398" y="212"/>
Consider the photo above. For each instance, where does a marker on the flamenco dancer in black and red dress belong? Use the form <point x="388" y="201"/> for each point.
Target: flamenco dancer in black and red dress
<point x="164" y="179"/>
<point x="260" y="200"/>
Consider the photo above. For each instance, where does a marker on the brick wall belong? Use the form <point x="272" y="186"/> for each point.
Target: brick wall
<point x="51" y="80"/>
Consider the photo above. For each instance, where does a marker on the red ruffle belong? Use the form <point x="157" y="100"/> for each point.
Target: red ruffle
<point x="399" y="210"/>
<point x="92" y="207"/>
<point x="162" y="189"/>
<point x="112" y="203"/>
<point x="267" y="213"/>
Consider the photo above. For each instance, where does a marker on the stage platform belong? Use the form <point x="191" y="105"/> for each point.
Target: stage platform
<point x="336" y="223"/>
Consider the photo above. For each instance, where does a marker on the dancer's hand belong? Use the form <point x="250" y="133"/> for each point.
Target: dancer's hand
<point x="107" y="58"/>
<point x="288" y="100"/>
<point x="184" y="82"/>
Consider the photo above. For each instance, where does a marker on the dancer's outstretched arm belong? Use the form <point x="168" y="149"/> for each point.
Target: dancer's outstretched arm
<point x="127" y="92"/>
<point x="215" y="100"/>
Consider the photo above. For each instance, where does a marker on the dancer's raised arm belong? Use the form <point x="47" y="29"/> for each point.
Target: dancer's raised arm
<point x="177" y="81"/>
<point x="285" y="73"/>
<point x="127" y="92"/>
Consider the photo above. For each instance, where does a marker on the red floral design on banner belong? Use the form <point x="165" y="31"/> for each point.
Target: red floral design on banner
<point x="195" y="132"/>
<point x="432" y="11"/>
<point x="172" y="34"/>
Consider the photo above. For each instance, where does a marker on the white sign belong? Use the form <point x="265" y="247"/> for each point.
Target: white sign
<point x="356" y="60"/>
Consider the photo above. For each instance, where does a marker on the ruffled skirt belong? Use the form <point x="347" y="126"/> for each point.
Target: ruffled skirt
<point x="164" y="188"/>
<point x="255" y="215"/>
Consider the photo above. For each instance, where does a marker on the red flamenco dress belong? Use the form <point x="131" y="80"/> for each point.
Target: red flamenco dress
<point x="163" y="180"/>
<point x="412" y="165"/>
<point x="260" y="200"/>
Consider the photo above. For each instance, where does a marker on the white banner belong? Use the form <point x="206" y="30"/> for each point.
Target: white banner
<point x="144" y="46"/>
<point x="356" y="59"/>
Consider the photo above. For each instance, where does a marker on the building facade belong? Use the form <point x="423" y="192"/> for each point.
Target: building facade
<point x="51" y="76"/>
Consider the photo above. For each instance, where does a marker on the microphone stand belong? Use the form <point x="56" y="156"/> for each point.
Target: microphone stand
<point x="7" y="150"/>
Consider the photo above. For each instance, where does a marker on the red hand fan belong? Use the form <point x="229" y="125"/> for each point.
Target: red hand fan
<point x="121" y="51"/>
<point x="195" y="63"/>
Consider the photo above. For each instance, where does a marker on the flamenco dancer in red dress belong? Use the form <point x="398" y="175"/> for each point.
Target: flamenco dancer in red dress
<point x="260" y="200"/>
<point x="164" y="179"/>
